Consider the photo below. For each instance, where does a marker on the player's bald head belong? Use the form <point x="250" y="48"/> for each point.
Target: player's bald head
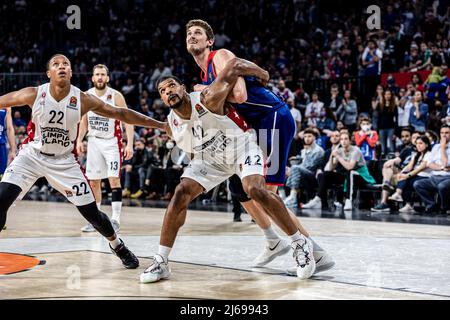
<point x="54" y="57"/>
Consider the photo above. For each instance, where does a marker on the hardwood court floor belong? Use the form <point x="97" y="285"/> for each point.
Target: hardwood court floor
<point x="211" y="258"/>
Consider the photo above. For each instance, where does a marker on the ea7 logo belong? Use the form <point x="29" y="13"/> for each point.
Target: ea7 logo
<point x="74" y="20"/>
<point x="374" y="20"/>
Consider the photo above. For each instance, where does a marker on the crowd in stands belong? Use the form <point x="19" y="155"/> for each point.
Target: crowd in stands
<point x="298" y="42"/>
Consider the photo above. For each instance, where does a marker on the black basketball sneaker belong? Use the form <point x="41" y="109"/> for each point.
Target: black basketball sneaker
<point x="129" y="260"/>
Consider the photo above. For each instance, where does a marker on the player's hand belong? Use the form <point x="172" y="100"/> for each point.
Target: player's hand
<point x="402" y="176"/>
<point x="265" y="79"/>
<point x="167" y="129"/>
<point x="128" y="152"/>
<point x="81" y="148"/>
<point x="199" y="87"/>
<point x="11" y="156"/>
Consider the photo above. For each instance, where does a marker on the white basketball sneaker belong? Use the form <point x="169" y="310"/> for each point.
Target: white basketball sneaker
<point x="303" y="255"/>
<point x="270" y="253"/>
<point x="315" y="203"/>
<point x="88" y="228"/>
<point x="158" y="270"/>
<point x="323" y="260"/>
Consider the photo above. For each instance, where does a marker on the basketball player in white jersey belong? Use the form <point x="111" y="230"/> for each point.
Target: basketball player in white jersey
<point x="57" y="108"/>
<point x="201" y="124"/>
<point x="104" y="149"/>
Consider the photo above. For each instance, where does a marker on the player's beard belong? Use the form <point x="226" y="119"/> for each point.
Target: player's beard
<point x="177" y="104"/>
<point x="195" y="51"/>
<point x="100" y="86"/>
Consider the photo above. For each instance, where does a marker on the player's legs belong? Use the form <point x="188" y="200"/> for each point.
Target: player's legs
<point x="3" y="163"/>
<point x="96" y="186"/>
<point x="199" y="176"/>
<point x="8" y="194"/>
<point x="174" y="219"/>
<point x="116" y="199"/>
<point x="113" y="157"/>
<point x="67" y="177"/>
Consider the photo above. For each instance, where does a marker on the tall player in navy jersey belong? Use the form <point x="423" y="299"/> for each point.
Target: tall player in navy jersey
<point x="6" y="135"/>
<point x="272" y="119"/>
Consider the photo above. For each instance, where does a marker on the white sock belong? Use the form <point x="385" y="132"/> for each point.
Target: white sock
<point x="99" y="204"/>
<point x="282" y="193"/>
<point x="115" y="243"/>
<point x="116" y="210"/>
<point x="296" y="236"/>
<point x="164" y="252"/>
<point x="293" y="193"/>
<point x="271" y="236"/>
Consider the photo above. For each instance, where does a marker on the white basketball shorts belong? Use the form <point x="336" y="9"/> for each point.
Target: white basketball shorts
<point x="210" y="174"/>
<point x="63" y="173"/>
<point x="104" y="158"/>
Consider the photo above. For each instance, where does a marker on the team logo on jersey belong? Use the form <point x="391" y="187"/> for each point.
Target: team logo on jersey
<point x="42" y="102"/>
<point x="201" y="112"/>
<point x="175" y="122"/>
<point x="203" y="172"/>
<point x="72" y="103"/>
<point x="69" y="194"/>
<point x="109" y="97"/>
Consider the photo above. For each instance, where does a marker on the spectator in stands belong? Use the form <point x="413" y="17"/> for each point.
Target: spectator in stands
<point x="366" y="139"/>
<point x="282" y="91"/>
<point x="387" y="121"/>
<point x="371" y="59"/>
<point x="439" y="182"/>
<point x="416" y="170"/>
<point x="296" y="114"/>
<point x="135" y="167"/>
<point x="17" y="119"/>
<point x="432" y="136"/>
<point x="337" y="172"/>
<point x="302" y="176"/>
<point x="419" y="113"/>
<point x="375" y="105"/>
<point x="326" y="124"/>
<point x="393" y="166"/>
<point x="145" y="172"/>
<point x="313" y="109"/>
<point x="404" y="107"/>
<point x="348" y="111"/>
<point x="160" y="71"/>
<point x="302" y="98"/>
<point x="334" y="100"/>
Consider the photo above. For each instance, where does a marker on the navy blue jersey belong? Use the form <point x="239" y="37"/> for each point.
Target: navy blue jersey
<point x="260" y="100"/>
<point x="2" y="126"/>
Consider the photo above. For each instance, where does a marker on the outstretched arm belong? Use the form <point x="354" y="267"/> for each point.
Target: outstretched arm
<point x="22" y="97"/>
<point x="214" y="96"/>
<point x="90" y="102"/>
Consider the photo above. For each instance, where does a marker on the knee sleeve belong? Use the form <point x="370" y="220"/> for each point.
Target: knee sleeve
<point x="237" y="190"/>
<point x="8" y="193"/>
<point x="98" y="219"/>
<point x="116" y="195"/>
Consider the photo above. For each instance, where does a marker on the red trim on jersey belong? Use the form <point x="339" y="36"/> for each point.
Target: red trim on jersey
<point x="237" y="118"/>
<point x="203" y="75"/>
<point x="31" y="129"/>
<point x="274" y="184"/>
<point x="118" y="135"/>
<point x="75" y="153"/>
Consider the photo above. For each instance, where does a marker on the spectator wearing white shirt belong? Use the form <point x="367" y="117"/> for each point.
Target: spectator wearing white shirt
<point x="439" y="182"/>
<point x="296" y="114"/>
<point x="313" y="110"/>
<point x="404" y="107"/>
